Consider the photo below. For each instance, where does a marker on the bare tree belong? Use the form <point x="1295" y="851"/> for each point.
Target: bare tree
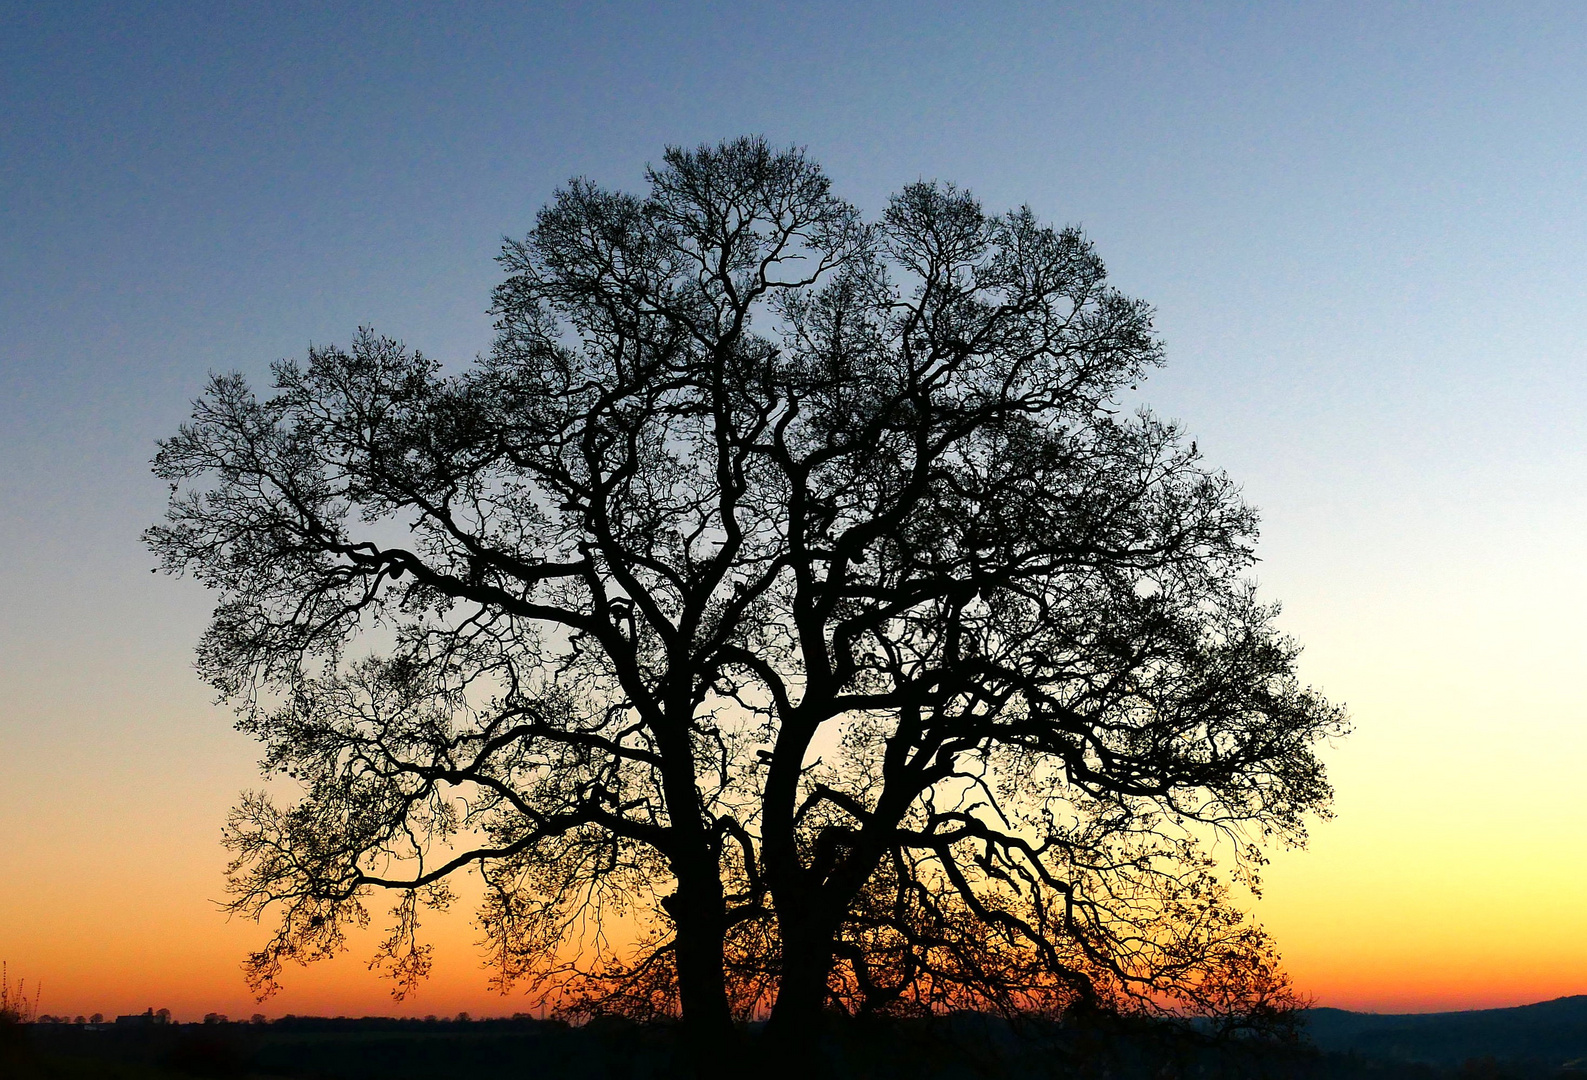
<point x="791" y="589"/>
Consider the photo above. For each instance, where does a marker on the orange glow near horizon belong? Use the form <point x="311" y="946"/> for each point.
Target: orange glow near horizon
<point x="1383" y="912"/>
<point x="181" y="955"/>
<point x="1454" y="875"/>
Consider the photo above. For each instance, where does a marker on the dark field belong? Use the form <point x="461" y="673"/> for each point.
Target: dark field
<point x="1547" y="1040"/>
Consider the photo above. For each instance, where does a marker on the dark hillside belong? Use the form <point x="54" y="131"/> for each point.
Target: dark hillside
<point x="1548" y="1033"/>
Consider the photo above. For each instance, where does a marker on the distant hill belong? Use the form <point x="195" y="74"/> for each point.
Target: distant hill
<point x="1552" y="1033"/>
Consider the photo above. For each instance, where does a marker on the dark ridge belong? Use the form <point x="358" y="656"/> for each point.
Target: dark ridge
<point x="1546" y="1033"/>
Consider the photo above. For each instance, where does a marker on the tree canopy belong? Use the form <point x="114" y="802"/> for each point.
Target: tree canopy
<point x="788" y="593"/>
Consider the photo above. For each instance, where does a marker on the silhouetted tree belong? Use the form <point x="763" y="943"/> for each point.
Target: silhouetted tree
<point x="790" y="588"/>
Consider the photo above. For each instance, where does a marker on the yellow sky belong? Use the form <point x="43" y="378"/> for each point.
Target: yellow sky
<point x="1454" y="875"/>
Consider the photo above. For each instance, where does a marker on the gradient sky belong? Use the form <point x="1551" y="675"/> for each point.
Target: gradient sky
<point x="1363" y="229"/>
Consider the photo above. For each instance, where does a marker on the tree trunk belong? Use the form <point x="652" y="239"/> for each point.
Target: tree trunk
<point x="710" y="1041"/>
<point x="792" y="1042"/>
<point x="697" y="906"/>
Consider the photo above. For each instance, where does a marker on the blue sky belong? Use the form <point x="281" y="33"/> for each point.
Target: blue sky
<point x="1358" y="223"/>
<point x="1362" y="226"/>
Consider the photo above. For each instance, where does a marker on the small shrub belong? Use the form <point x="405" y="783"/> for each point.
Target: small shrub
<point x="15" y="1008"/>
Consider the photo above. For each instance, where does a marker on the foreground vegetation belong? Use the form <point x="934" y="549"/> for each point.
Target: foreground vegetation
<point x="1542" y="1041"/>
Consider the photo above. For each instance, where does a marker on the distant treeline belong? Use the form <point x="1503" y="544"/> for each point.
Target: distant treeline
<point x="1532" y="1044"/>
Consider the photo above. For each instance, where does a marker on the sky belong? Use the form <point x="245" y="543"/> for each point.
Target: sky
<point x="1362" y="228"/>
